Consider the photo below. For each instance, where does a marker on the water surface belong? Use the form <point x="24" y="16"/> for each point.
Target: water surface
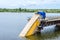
<point x="11" y="24"/>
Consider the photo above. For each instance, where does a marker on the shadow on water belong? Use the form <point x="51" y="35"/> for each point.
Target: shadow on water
<point x="48" y="33"/>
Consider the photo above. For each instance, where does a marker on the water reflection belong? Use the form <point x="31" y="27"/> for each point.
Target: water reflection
<point x="48" y="33"/>
<point x="11" y="24"/>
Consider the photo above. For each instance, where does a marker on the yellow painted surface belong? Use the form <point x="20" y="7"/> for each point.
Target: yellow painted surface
<point x="33" y="27"/>
<point x="30" y="26"/>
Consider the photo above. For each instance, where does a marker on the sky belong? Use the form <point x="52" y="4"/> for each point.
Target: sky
<point x="31" y="4"/>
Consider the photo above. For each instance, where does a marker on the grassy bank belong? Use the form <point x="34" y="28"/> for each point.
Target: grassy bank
<point x="29" y="10"/>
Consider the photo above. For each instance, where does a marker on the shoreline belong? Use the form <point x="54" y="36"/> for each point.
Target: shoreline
<point x="18" y="10"/>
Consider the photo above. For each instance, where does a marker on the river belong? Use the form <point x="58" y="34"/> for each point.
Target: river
<point x="11" y="24"/>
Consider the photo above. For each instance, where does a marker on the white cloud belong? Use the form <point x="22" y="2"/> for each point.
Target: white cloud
<point x="39" y="2"/>
<point x="26" y="3"/>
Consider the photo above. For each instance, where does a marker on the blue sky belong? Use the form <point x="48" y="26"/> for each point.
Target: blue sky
<point x="40" y="4"/>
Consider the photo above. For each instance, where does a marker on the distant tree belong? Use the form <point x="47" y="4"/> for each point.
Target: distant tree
<point x="19" y="9"/>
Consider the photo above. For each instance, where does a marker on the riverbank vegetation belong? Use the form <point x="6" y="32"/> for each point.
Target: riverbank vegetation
<point x="29" y="10"/>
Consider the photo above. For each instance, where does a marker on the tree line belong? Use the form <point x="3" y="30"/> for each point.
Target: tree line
<point x="29" y="10"/>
